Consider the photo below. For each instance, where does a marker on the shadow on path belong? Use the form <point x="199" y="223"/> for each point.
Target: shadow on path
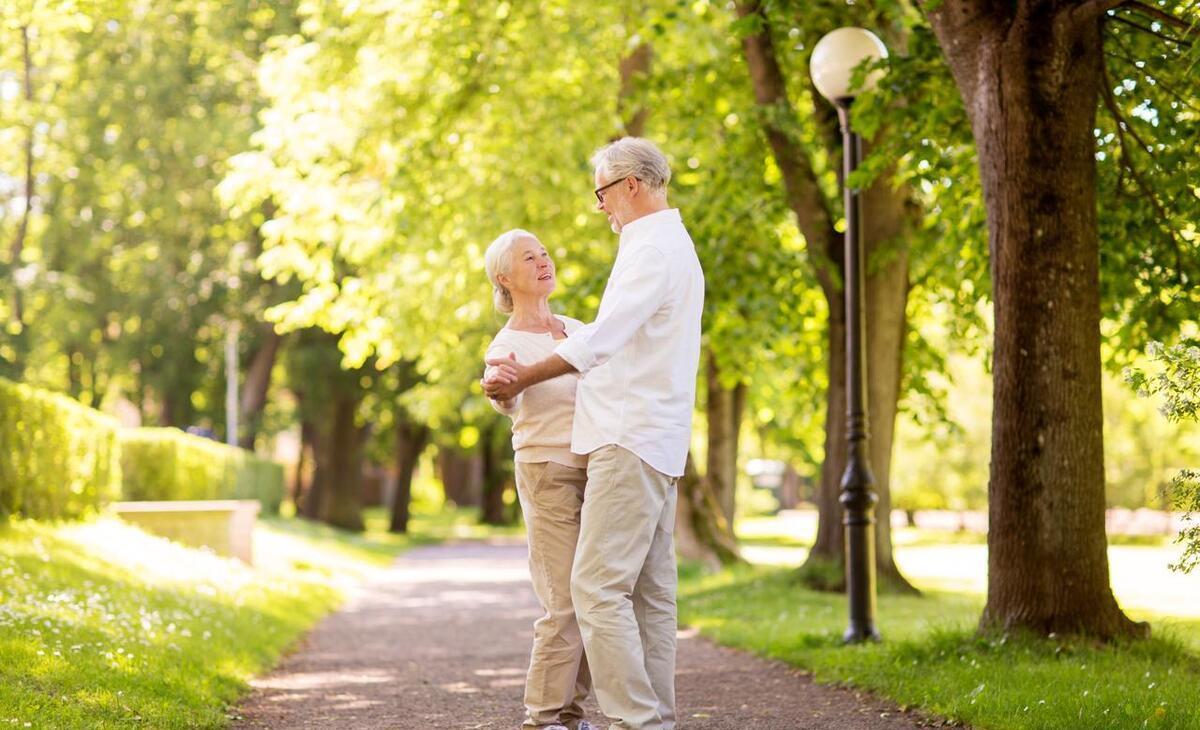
<point x="442" y="638"/>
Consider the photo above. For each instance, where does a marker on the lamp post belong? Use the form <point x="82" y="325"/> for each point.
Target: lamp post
<point x="832" y="64"/>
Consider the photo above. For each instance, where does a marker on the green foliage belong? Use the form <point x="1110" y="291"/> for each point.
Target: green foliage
<point x="415" y="154"/>
<point x="58" y="459"/>
<point x="1177" y="381"/>
<point x="1148" y="152"/>
<point x="130" y="269"/>
<point x="362" y="155"/>
<point x="1186" y="493"/>
<point x="167" y="464"/>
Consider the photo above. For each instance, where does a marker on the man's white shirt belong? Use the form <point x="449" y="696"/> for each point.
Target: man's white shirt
<point x="639" y="358"/>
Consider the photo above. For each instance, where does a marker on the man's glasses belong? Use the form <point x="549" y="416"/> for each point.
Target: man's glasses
<point x="600" y="191"/>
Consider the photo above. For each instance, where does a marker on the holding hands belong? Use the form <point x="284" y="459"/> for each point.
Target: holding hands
<point x="502" y="380"/>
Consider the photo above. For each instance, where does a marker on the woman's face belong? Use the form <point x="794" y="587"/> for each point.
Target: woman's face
<point x="531" y="270"/>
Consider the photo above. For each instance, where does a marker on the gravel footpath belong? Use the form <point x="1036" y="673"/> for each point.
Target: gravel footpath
<point x="441" y="640"/>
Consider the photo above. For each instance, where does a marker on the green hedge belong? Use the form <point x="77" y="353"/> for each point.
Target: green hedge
<point x="58" y="459"/>
<point x="165" y="463"/>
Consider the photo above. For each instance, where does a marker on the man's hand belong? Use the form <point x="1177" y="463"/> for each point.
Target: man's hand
<point x="503" y="379"/>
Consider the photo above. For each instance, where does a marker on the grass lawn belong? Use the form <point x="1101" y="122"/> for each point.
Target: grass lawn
<point x="102" y="625"/>
<point x="931" y="657"/>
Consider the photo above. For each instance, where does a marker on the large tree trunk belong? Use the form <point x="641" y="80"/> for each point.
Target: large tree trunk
<point x="884" y="226"/>
<point x="887" y="295"/>
<point x="257" y="384"/>
<point x="410" y="442"/>
<point x="339" y="466"/>
<point x="829" y="548"/>
<point x="1030" y="75"/>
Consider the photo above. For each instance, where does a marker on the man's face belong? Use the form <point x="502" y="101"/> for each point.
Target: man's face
<point x="613" y="199"/>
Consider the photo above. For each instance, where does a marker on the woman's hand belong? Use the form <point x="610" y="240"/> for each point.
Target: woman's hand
<point x="505" y="382"/>
<point x="498" y="375"/>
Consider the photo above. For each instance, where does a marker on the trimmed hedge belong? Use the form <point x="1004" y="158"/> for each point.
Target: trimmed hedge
<point x="61" y="460"/>
<point x="166" y="464"/>
<point x="58" y="459"/>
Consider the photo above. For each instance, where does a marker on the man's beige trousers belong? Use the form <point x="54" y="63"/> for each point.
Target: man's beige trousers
<point x="558" y="681"/>
<point x="623" y="584"/>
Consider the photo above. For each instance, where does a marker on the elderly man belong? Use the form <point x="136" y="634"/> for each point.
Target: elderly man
<point x="633" y="419"/>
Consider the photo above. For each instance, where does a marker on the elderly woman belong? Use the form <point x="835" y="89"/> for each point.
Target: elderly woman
<point x="550" y="479"/>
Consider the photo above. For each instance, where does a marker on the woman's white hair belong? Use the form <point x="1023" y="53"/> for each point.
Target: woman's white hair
<point x="637" y="157"/>
<point x="497" y="261"/>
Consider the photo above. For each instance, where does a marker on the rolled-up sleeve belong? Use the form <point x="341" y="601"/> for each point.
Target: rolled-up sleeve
<point x="635" y="292"/>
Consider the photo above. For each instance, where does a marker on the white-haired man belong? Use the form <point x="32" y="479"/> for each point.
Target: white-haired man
<point x="633" y="418"/>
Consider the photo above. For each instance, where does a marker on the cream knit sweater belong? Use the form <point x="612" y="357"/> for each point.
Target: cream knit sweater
<point x="542" y="414"/>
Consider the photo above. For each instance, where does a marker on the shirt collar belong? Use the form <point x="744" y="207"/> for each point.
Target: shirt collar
<point x="635" y="229"/>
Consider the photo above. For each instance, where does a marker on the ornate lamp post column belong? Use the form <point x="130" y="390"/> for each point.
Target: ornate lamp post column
<point x="833" y="61"/>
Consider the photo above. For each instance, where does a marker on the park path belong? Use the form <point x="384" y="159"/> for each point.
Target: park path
<point x="441" y="640"/>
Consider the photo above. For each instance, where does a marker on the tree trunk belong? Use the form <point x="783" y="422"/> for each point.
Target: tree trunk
<point x="887" y="286"/>
<point x="410" y="442"/>
<point x="885" y="220"/>
<point x="74" y="371"/>
<point x="1030" y="77"/>
<point x="299" y="495"/>
<point x="497" y="474"/>
<point x="724" y="408"/>
<point x="702" y="534"/>
<point x="18" y="243"/>
<point x="257" y="384"/>
<point x="633" y="114"/>
<point x="823" y="568"/>
<point x="789" y="487"/>
<point x="313" y="496"/>
<point x="461" y="476"/>
<point x="887" y="293"/>
<point x="339" y="466"/>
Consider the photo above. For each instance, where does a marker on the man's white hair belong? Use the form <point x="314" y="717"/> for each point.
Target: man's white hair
<point x="498" y="260"/>
<point x="634" y="156"/>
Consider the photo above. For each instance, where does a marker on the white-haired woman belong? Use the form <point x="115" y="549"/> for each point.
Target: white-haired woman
<point x="550" y="479"/>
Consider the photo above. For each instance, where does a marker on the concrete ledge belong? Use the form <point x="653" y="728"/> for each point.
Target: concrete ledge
<point x="226" y="526"/>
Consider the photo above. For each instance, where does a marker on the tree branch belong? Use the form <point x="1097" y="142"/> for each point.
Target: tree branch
<point x="1160" y="15"/>
<point x="1171" y="91"/>
<point x="1093" y="9"/>
<point x="802" y="191"/>
<point x="1110" y="102"/>
<point x="1151" y="31"/>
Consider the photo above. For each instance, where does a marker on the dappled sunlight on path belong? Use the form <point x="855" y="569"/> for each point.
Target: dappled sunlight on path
<point x="442" y="639"/>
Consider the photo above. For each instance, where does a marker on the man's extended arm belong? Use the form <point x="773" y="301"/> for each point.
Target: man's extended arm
<point x="524" y="376"/>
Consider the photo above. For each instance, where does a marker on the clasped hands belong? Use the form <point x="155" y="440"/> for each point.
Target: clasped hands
<point x="503" y="379"/>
